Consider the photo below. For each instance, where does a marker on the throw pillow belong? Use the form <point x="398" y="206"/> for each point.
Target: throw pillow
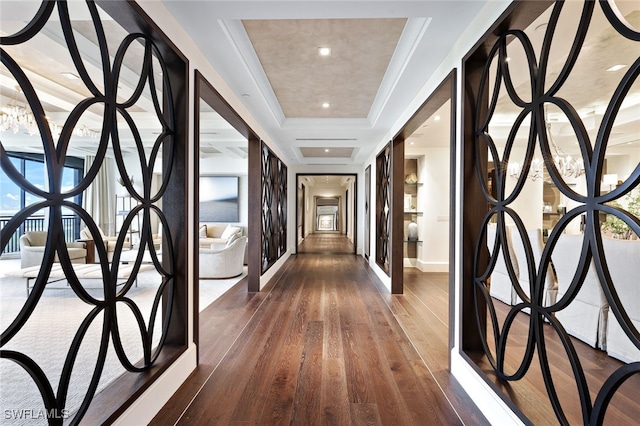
<point x="202" y="231"/>
<point x="232" y="238"/>
<point x="229" y="231"/>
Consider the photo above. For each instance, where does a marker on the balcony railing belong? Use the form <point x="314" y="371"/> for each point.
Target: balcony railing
<point x="70" y="224"/>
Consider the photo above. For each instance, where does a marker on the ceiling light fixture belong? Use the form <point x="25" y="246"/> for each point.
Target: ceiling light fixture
<point x="412" y="143"/>
<point x="326" y="105"/>
<point x="326" y="150"/>
<point x="616" y="67"/>
<point x="324" y="51"/>
<point x="436" y="118"/>
<point x="565" y="163"/>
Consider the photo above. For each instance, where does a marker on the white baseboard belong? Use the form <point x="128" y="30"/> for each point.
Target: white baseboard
<point x="492" y="406"/>
<point x="411" y="262"/>
<point x="144" y="409"/>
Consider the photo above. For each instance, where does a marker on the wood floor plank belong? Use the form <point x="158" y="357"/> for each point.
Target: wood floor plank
<point x="306" y="403"/>
<point x="335" y="409"/>
<point x="365" y="415"/>
<point x="278" y="405"/>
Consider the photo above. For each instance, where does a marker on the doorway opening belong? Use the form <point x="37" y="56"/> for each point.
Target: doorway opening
<point x="326" y="214"/>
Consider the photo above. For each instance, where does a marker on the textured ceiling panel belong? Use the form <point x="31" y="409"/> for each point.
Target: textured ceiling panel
<point x="326" y="152"/>
<point x="302" y="80"/>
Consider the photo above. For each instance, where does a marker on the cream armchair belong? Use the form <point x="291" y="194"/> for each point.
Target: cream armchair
<point x="624" y="266"/>
<point x="501" y="287"/>
<point x="32" y="245"/>
<point x="586" y="316"/>
<point x="224" y="262"/>
<point x="109" y="242"/>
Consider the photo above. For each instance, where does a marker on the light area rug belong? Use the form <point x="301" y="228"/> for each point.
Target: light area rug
<point x="47" y="336"/>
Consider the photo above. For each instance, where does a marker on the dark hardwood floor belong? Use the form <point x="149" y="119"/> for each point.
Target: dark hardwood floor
<point x="326" y="243"/>
<point x="324" y="343"/>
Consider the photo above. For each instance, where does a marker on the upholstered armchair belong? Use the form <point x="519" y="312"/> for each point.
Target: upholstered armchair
<point x="501" y="287"/>
<point x="109" y="242"/>
<point x="586" y="316"/>
<point x="224" y="262"/>
<point x="32" y="245"/>
<point x="537" y="246"/>
<point x="624" y="266"/>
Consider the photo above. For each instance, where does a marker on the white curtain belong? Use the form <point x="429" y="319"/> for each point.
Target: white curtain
<point x="99" y="198"/>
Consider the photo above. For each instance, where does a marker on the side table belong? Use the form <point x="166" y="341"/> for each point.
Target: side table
<point x="90" y="245"/>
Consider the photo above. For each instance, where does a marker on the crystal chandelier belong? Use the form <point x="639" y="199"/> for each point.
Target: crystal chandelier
<point x="567" y="165"/>
<point x="536" y="172"/>
<point x="15" y="117"/>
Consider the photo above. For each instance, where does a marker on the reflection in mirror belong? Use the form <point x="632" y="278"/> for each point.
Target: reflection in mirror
<point x="223" y="205"/>
<point x="557" y="264"/>
<point x="64" y="262"/>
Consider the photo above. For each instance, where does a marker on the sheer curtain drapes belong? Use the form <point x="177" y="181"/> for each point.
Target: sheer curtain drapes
<point x="99" y="199"/>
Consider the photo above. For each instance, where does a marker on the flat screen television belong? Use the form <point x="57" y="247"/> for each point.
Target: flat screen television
<point x="219" y="199"/>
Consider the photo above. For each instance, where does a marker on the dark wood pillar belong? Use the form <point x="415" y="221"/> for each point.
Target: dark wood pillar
<point x="397" y="215"/>
<point x="255" y="214"/>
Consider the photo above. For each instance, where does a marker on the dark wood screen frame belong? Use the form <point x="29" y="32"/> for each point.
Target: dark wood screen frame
<point x="203" y="90"/>
<point x="273" y="207"/>
<point x="367" y="213"/>
<point x="476" y="261"/>
<point x="384" y="171"/>
<point x="112" y="401"/>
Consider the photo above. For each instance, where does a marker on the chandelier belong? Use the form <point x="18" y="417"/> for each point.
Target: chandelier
<point x="565" y="163"/>
<point x="15" y="117"/>
<point x="536" y="171"/>
<point x="568" y="166"/>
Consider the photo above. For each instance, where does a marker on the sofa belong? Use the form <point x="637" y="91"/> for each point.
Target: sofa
<point x="32" y="245"/>
<point x="223" y="261"/>
<point x="217" y="233"/>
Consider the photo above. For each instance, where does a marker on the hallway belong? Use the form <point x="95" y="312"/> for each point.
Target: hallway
<point x="324" y="344"/>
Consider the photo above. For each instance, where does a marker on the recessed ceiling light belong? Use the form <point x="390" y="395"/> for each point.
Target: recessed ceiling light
<point x="326" y="150"/>
<point x="616" y="67"/>
<point x="324" y="51"/>
<point x="436" y="118"/>
<point x="326" y="105"/>
<point x="412" y="143"/>
<point x="70" y="75"/>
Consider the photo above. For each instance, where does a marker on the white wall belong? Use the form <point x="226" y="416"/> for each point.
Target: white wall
<point x="433" y="201"/>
